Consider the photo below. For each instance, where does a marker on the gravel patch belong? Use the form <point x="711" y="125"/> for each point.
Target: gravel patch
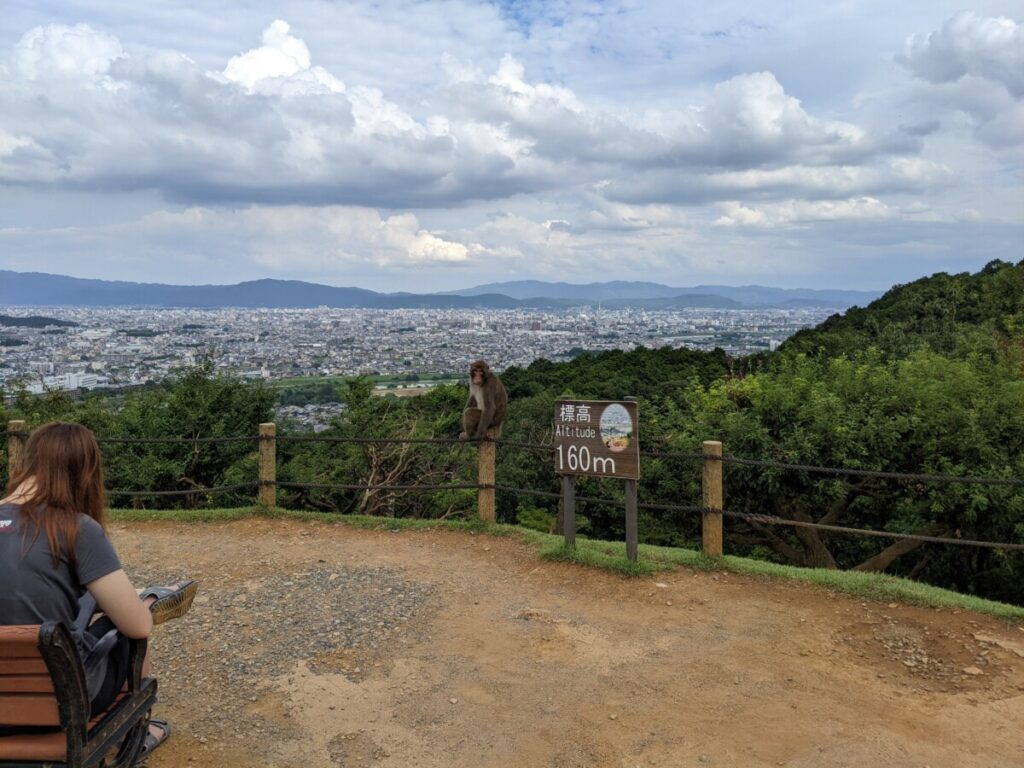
<point x="336" y="619"/>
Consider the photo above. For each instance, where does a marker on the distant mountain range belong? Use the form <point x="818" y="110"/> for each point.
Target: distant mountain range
<point x="618" y="290"/>
<point x="38" y="289"/>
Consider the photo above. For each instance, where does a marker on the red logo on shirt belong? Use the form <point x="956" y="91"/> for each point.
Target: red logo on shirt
<point x="5" y="524"/>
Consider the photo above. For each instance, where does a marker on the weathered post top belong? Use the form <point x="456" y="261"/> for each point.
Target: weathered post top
<point x="16" y="439"/>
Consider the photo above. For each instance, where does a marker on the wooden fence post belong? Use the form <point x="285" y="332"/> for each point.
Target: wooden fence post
<point x="712" y="498"/>
<point x="16" y="439"/>
<point x="268" y="464"/>
<point x="485" y="476"/>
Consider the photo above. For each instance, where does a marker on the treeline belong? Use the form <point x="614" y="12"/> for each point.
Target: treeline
<point x="35" y="321"/>
<point x="193" y="403"/>
<point x="928" y="379"/>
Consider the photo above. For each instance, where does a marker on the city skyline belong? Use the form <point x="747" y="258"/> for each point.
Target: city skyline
<point x="430" y="146"/>
<point x="102" y="347"/>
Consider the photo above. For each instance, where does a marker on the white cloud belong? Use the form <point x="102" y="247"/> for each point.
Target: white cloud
<point x="968" y="44"/>
<point x="274" y="127"/>
<point x="10" y="144"/>
<point x="748" y="120"/>
<point x="897" y="175"/>
<point x="59" y="51"/>
<point x="975" y="64"/>
<point x="751" y="118"/>
<point x="281" y="65"/>
<point x="803" y="213"/>
<point x="326" y="237"/>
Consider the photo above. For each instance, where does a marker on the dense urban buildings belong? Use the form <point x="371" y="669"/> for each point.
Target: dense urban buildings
<point x="125" y="347"/>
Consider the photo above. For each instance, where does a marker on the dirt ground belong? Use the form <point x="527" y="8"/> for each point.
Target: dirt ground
<point x="488" y="656"/>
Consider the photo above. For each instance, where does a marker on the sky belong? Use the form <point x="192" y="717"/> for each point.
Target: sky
<point x="414" y="145"/>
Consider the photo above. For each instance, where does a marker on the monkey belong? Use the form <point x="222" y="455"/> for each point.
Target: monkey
<point x="486" y="405"/>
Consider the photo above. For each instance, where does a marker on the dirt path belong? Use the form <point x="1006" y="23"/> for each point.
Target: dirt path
<point x="324" y="646"/>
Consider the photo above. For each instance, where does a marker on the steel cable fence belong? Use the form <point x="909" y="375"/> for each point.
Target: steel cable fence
<point x="217" y="489"/>
<point x="840" y="471"/>
<point x="756" y="518"/>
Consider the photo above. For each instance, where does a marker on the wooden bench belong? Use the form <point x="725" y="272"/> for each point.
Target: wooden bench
<point x="44" y="704"/>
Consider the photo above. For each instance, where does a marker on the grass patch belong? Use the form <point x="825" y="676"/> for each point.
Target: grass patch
<point x="610" y="555"/>
<point x="182" y="515"/>
<point x="597" y="557"/>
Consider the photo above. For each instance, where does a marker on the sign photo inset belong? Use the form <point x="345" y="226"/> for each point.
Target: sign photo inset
<point x="616" y="428"/>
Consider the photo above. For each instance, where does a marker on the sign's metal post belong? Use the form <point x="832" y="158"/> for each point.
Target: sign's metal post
<point x="631" y="521"/>
<point x="629" y="487"/>
<point x="268" y="464"/>
<point x="569" y="509"/>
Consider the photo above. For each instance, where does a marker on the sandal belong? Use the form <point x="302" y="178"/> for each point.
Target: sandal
<point x="171" y="602"/>
<point x="151" y="742"/>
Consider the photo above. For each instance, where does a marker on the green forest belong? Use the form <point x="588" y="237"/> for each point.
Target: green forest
<point x="928" y="379"/>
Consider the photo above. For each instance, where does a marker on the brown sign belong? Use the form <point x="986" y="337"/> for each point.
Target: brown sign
<point x="598" y="438"/>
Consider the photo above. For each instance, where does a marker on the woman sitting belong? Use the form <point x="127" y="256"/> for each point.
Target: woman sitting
<point x="56" y="562"/>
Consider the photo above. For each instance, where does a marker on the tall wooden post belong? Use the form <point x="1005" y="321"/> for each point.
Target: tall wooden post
<point x="485" y="477"/>
<point x="712" y="498"/>
<point x="16" y="439"/>
<point x="569" y="509"/>
<point x="268" y="464"/>
<point x="632" y="533"/>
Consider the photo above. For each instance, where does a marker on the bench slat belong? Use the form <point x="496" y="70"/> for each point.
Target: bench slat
<point x="34" y="747"/>
<point x="26" y="684"/>
<point x="28" y="709"/>
<point x="29" y="666"/>
<point x="10" y="632"/>
<point x="20" y="647"/>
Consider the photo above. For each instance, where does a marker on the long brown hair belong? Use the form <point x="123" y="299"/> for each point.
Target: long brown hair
<point x="65" y="463"/>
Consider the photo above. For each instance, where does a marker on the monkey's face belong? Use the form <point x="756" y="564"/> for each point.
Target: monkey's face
<point x="476" y="375"/>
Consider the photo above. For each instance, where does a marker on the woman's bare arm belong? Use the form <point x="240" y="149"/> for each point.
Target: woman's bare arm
<point x="117" y="598"/>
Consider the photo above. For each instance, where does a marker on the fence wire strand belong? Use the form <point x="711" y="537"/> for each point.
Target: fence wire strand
<point x="371" y="440"/>
<point x="169" y="440"/>
<point x="342" y="487"/>
<point x="549" y="494"/>
<point x="528" y="491"/>
<point x="672" y="507"/>
<point x="671" y="455"/>
<point x="539" y="447"/>
<point x="773" y="520"/>
<point x="190" y="492"/>
<point x="910" y="477"/>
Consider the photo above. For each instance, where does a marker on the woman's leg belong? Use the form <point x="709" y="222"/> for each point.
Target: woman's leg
<point x="117" y="665"/>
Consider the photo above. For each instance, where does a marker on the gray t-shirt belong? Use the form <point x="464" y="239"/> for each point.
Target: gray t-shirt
<point x="31" y="589"/>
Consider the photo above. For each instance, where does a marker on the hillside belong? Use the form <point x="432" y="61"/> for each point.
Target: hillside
<point x="321" y="646"/>
<point x="958" y="314"/>
<point x="620" y="290"/>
